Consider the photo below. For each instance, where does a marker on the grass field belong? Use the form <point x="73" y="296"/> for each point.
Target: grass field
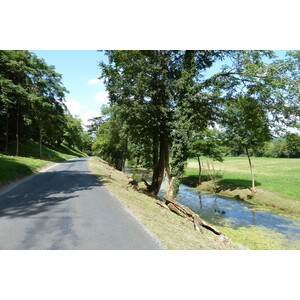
<point x="277" y="181"/>
<point x="16" y="167"/>
<point x="274" y="174"/>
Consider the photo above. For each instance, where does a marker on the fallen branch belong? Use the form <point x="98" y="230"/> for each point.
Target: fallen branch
<point x="147" y="184"/>
<point x="184" y="211"/>
<point x="197" y="223"/>
<point x="162" y="204"/>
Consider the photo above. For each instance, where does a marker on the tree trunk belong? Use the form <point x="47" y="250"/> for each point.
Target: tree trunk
<point x="158" y="172"/>
<point x="41" y="154"/>
<point x="6" y="135"/>
<point x="200" y="170"/>
<point x="251" y="170"/>
<point x="168" y="176"/>
<point x="17" y="132"/>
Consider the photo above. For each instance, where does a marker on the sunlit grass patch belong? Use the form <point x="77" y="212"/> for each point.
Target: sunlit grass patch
<point x="258" y="238"/>
<point x="274" y="174"/>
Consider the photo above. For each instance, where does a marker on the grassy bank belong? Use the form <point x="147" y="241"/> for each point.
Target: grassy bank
<point x="173" y="231"/>
<point x="16" y="167"/>
<point x="277" y="181"/>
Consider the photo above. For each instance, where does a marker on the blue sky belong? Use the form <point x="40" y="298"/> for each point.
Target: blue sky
<point x="80" y="70"/>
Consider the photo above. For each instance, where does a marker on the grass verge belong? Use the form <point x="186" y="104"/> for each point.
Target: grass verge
<point x="16" y="167"/>
<point x="174" y="232"/>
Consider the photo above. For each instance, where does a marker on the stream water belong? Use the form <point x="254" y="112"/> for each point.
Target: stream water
<point x="234" y="213"/>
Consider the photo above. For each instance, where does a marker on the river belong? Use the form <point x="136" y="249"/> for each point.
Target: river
<point x="258" y="229"/>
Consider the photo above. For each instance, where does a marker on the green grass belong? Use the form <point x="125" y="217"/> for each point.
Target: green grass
<point x="275" y="174"/>
<point x="277" y="182"/>
<point x="257" y="238"/>
<point x="32" y="149"/>
<point x="15" y="167"/>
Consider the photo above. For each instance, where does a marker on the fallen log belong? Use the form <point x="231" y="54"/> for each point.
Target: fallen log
<point x="197" y="223"/>
<point x="184" y="211"/>
<point x="173" y="208"/>
<point x="162" y="204"/>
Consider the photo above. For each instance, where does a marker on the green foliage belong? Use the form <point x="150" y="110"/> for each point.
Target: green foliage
<point x="32" y="104"/>
<point x="111" y="140"/>
<point x="207" y="143"/>
<point x="246" y="123"/>
<point x="73" y="131"/>
<point x="160" y="103"/>
<point x="94" y="125"/>
<point x="163" y="98"/>
<point x="293" y="145"/>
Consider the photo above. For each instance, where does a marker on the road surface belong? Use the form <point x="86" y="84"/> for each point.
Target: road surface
<point x="67" y="207"/>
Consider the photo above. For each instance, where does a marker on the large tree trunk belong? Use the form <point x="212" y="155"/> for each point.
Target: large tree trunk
<point x="251" y="170"/>
<point x="17" y="132"/>
<point x="41" y="154"/>
<point x="160" y="160"/>
<point x="158" y="172"/>
<point x="168" y="176"/>
<point x="6" y="135"/>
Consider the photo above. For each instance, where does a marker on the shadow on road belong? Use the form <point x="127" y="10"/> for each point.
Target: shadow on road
<point x="45" y="190"/>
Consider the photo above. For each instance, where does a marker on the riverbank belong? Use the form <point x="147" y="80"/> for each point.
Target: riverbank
<point x="277" y="182"/>
<point x="173" y="231"/>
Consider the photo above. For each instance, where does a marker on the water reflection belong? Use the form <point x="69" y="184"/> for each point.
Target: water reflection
<point x="234" y="213"/>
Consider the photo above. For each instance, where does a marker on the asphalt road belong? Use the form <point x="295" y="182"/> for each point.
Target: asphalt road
<point x="67" y="207"/>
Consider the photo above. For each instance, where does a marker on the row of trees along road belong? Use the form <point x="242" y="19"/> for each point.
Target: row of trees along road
<point x="159" y="100"/>
<point x="32" y="104"/>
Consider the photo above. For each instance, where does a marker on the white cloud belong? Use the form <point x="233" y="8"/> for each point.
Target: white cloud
<point x="88" y="115"/>
<point x="102" y="97"/>
<point x="73" y="106"/>
<point x="95" y="81"/>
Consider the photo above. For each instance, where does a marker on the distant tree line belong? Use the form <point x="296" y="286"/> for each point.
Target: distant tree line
<point x="32" y="104"/>
<point x="287" y="146"/>
<point x="213" y="143"/>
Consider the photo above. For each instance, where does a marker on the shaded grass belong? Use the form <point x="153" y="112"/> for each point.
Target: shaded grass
<point x="173" y="231"/>
<point x="16" y="167"/>
<point x="58" y="154"/>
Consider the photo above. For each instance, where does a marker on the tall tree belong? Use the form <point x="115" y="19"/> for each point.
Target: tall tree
<point x="247" y="126"/>
<point x="31" y="94"/>
<point x="111" y="139"/>
<point x="154" y="87"/>
<point x="164" y="97"/>
<point x="205" y="143"/>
